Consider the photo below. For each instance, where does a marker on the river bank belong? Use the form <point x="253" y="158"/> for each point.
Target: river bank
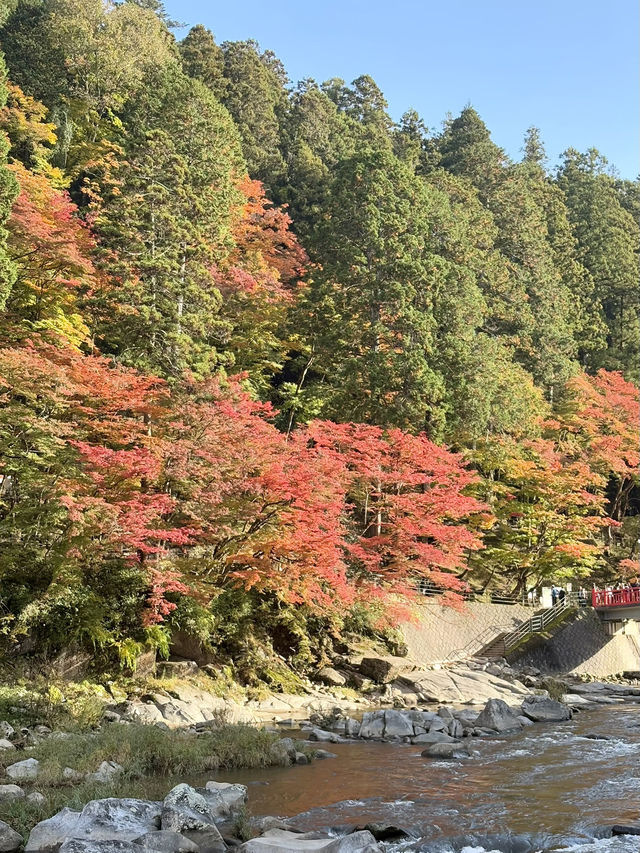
<point x="531" y="782"/>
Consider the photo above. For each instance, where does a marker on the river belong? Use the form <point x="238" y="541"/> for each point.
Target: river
<point x="549" y="780"/>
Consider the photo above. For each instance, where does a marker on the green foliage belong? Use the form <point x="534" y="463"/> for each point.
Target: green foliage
<point x="446" y="291"/>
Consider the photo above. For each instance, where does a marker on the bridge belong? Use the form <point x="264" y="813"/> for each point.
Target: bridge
<point x="603" y="599"/>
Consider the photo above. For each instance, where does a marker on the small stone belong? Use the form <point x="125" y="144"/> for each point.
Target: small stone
<point x="71" y="775"/>
<point x="301" y="758"/>
<point x="6" y="729"/>
<point x="323" y="753"/>
<point x="107" y="772"/>
<point x="36" y="798"/>
<point x="23" y="771"/>
<point x="6" y="745"/>
<point x="10" y="792"/>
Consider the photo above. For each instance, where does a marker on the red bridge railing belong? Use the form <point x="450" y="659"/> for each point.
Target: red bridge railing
<point x="616" y="597"/>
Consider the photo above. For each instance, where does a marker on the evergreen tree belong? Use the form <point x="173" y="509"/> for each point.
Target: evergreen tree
<point x="370" y="303"/>
<point x="167" y="225"/>
<point x="203" y="59"/>
<point x="256" y="98"/>
<point x="608" y="239"/>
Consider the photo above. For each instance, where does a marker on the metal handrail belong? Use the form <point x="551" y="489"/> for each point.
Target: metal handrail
<point x="477" y="643"/>
<point x="616" y="597"/>
<point x="539" y="621"/>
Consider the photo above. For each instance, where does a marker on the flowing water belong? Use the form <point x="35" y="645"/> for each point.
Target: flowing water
<point x="549" y="780"/>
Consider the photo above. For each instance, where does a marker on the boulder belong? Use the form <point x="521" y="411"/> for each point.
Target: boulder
<point x="382" y="670"/>
<point x="301" y="758"/>
<point x="397" y="724"/>
<point x="107" y="820"/>
<point x="625" y="829"/>
<point x="282" y="841"/>
<point x="10" y="840"/>
<point x="283" y="751"/>
<point x="107" y="772"/>
<point x="445" y="750"/>
<point x="177" y="668"/>
<point x="432" y="737"/>
<point x="323" y="753"/>
<point x="329" y="675"/>
<point x="497" y="715"/>
<point x="456" y="729"/>
<point x="167" y="842"/>
<point x="24" y="771"/>
<point x="6" y="745"/>
<point x="323" y="736"/>
<point x="225" y="797"/>
<point x="546" y="711"/>
<point x="10" y="792"/>
<point x="438" y="725"/>
<point x="372" y="725"/>
<point x="188" y="812"/>
<point x="351" y="727"/>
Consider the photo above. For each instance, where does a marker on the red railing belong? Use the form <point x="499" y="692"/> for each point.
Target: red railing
<point x="616" y="597"/>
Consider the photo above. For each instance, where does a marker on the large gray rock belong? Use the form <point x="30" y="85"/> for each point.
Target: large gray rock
<point x="283" y="751"/>
<point x="189" y="813"/>
<point x="6" y="729"/>
<point x="445" y="750"/>
<point x="372" y="725"/>
<point x="167" y="842"/>
<point x="100" y="820"/>
<point x="10" y="841"/>
<point x="10" y="792"/>
<point x="497" y="715"/>
<point x="432" y="737"/>
<point x="24" y="771"/>
<point x="6" y="745"/>
<point x="331" y="676"/>
<point x="351" y="727"/>
<point x="323" y="736"/>
<point x="225" y="797"/>
<point x="397" y="724"/>
<point x="546" y="711"/>
<point x="282" y="841"/>
<point x="49" y="834"/>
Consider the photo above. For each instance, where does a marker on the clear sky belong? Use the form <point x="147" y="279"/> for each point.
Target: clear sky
<point x="570" y="67"/>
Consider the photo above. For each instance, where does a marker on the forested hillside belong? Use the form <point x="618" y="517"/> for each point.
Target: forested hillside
<point x="268" y="358"/>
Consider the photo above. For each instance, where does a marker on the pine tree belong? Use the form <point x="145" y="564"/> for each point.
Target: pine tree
<point x="608" y="239"/>
<point x="167" y="225"/>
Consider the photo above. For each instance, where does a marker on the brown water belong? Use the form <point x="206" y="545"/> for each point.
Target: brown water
<point x="548" y="779"/>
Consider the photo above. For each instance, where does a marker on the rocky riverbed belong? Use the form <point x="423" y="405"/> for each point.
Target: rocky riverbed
<point x="412" y="752"/>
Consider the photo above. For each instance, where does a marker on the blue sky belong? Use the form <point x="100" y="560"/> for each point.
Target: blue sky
<point x="570" y="67"/>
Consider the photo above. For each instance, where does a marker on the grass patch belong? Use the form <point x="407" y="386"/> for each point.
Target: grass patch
<point x="146" y="753"/>
<point x="149" y="750"/>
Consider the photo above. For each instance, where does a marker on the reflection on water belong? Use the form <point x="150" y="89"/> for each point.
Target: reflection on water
<point x="548" y="779"/>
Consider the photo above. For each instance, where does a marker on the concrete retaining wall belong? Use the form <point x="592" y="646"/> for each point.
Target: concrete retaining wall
<point x="441" y="631"/>
<point x="583" y="646"/>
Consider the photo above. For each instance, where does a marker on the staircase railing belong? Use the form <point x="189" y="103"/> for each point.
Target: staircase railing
<point x="477" y="643"/>
<point x="539" y="621"/>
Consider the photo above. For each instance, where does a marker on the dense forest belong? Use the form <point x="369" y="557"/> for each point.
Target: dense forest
<point x="269" y="358"/>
